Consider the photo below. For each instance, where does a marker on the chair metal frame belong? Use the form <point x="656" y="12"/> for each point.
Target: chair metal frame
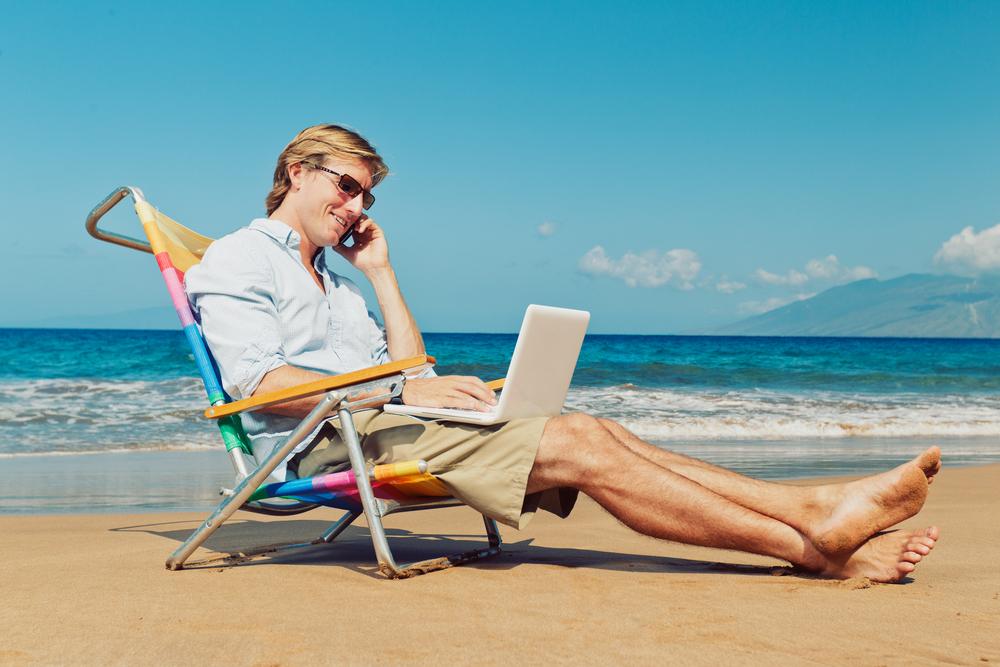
<point x="337" y="391"/>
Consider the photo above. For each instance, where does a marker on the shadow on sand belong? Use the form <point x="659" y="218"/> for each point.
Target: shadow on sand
<point x="353" y="550"/>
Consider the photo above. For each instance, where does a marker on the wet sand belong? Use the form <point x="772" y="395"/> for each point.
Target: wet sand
<point x="92" y="589"/>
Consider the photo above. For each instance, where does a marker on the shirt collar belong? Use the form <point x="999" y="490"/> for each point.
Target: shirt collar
<point x="277" y="230"/>
<point x="288" y="237"/>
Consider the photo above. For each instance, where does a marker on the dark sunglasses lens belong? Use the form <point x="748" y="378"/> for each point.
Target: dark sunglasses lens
<point x="350" y="186"/>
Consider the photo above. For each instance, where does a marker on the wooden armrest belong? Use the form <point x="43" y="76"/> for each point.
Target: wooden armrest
<point x="496" y="385"/>
<point x="320" y="386"/>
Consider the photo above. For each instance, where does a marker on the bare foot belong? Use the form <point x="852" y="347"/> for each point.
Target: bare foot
<point x="931" y="458"/>
<point x="848" y="514"/>
<point x="887" y="558"/>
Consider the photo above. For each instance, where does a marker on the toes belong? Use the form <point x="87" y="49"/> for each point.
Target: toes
<point x="933" y="532"/>
<point x="906" y="568"/>
<point x="921" y="549"/>
<point x="910" y="557"/>
<point x="930" y="461"/>
<point x="934" y="471"/>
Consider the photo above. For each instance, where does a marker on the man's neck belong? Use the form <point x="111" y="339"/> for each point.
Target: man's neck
<point x="307" y="251"/>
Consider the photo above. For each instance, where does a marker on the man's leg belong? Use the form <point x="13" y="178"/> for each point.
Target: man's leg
<point x="577" y="451"/>
<point x="835" y="517"/>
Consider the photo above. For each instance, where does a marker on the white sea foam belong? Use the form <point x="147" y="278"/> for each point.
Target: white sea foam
<point x="73" y="416"/>
<point x="120" y="450"/>
<point x="56" y="416"/>
<point x="99" y="400"/>
<point x="669" y="415"/>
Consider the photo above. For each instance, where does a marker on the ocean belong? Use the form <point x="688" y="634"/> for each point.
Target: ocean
<point x="125" y="405"/>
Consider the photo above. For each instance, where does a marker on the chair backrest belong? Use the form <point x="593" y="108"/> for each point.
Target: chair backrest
<point x="177" y="249"/>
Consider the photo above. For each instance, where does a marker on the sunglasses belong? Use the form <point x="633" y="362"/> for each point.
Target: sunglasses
<point x="348" y="186"/>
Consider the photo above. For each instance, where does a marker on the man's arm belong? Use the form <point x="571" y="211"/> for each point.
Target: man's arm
<point x="453" y="391"/>
<point x="401" y="332"/>
<point x="370" y="255"/>
<point x="284" y="377"/>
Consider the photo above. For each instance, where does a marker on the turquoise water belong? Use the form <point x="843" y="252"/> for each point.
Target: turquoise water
<point x="773" y="407"/>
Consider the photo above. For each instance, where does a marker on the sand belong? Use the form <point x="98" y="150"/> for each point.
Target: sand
<point x="91" y="589"/>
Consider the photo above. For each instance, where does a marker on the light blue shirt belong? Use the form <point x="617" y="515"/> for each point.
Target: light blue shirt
<point x="259" y="309"/>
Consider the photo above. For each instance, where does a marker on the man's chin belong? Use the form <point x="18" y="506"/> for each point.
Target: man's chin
<point x="332" y="236"/>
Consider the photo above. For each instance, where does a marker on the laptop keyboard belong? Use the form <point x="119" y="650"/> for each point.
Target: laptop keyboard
<point x="455" y="412"/>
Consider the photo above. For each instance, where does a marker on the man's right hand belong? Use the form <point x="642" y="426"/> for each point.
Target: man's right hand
<point x="463" y="392"/>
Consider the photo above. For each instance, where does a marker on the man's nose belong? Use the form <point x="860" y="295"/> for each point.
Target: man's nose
<point x="354" y="206"/>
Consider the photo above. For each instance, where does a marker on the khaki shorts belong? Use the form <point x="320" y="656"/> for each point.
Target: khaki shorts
<point x="486" y="467"/>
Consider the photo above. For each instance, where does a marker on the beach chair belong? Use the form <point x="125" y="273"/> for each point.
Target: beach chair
<point x="377" y="492"/>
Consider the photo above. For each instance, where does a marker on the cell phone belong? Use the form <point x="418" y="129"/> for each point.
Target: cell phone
<point x="347" y="236"/>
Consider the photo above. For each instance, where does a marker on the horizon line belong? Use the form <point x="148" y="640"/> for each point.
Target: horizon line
<point x="514" y="333"/>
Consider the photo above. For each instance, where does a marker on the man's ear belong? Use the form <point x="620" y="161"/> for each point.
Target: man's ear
<point x="295" y="173"/>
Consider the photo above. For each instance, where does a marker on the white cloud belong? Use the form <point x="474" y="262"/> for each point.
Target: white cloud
<point x="758" y="307"/>
<point x="829" y="268"/>
<point x="727" y="286"/>
<point x="793" y="277"/>
<point x="971" y="252"/>
<point x="826" y="269"/>
<point x="546" y="229"/>
<point x="646" y="269"/>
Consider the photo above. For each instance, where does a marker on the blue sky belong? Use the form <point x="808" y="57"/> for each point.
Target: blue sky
<point x="667" y="166"/>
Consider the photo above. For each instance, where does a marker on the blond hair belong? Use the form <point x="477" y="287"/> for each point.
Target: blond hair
<point x="314" y="145"/>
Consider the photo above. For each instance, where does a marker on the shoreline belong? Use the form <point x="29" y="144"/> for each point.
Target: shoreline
<point x="584" y="590"/>
<point x="167" y="480"/>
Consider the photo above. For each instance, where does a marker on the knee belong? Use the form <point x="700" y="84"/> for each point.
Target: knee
<point x="583" y="437"/>
<point x="576" y="448"/>
<point x="577" y="425"/>
<point x="608" y="431"/>
<point x="608" y="424"/>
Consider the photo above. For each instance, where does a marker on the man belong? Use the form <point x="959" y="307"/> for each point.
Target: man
<point x="274" y="316"/>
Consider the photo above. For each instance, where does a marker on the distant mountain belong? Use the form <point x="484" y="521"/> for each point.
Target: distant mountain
<point x="914" y="305"/>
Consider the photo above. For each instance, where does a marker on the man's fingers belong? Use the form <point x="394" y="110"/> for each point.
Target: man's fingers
<point x="465" y="401"/>
<point x="367" y="225"/>
<point x="464" y="393"/>
<point x="473" y="403"/>
<point x="477" y="388"/>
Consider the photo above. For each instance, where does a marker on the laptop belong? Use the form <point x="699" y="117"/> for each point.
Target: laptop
<point x="539" y="374"/>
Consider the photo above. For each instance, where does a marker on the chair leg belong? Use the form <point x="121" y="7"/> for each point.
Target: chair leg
<point x="338" y="527"/>
<point x="386" y="563"/>
<point x="249" y="484"/>
<point x="493" y="533"/>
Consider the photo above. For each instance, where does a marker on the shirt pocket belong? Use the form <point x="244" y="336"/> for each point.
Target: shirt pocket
<point x="335" y="327"/>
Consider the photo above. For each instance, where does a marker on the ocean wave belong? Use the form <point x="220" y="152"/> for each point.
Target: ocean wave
<point x="75" y="415"/>
<point x="89" y="401"/>
<point x="72" y="416"/>
<point x="203" y="447"/>
<point x="668" y="415"/>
